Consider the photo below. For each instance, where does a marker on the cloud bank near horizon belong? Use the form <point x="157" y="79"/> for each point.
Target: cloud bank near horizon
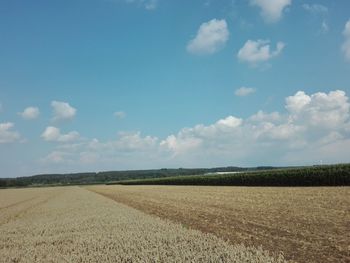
<point x="314" y="128"/>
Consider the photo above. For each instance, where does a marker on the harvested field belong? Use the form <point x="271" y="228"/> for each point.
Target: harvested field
<point x="306" y="224"/>
<point x="72" y="224"/>
<point x="14" y="203"/>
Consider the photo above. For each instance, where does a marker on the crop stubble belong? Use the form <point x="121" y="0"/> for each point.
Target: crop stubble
<point x="71" y="224"/>
<point x="306" y="224"/>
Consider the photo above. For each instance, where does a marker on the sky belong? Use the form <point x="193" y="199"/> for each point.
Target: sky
<point x="97" y="85"/>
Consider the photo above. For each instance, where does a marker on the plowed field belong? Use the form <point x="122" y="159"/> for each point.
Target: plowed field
<point x="310" y="224"/>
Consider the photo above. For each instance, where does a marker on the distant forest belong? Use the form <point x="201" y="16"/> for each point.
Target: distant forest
<point x="253" y="176"/>
<point x="112" y="176"/>
<point x="318" y="175"/>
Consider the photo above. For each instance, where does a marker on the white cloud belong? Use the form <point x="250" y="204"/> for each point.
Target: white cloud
<point x="126" y="142"/>
<point x="130" y="148"/>
<point x="134" y="142"/>
<point x="321" y="110"/>
<point x="310" y="122"/>
<point x="190" y="139"/>
<point x="62" y="111"/>
<point x="272" y="132"/>
<point x="297" y="102"/>
<point x="120" y="114"/>
<point x="230" y="122"/>
<point x="346" y="45"/>
<point x="211" y="37"/>
<point x="312" y="127"/>
<point x="7" y="135"/>
<point x="244" y="91"/>
<point x="30" y="113"/>
<point x="261" y="116"/>
<point x="255" y="52"/>
<point x="271" y="10"/>
<point x="180" y="145"/>
<point x="53" y="134"/>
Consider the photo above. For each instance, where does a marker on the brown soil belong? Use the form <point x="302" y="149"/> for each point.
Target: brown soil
<point x="306" y="224"/>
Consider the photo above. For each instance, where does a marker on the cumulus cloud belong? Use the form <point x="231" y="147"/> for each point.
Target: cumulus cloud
<point x="120" y="114"/>
<point x="244" y="91"/>
<point x="271" y="10"/>
<point x="7" y="135"/>
<point x="255" y="52"/>
<point x="30" y="113"/>
<point x="211" y="37"/>
<point x="346" y="45"/>
<point x="190" y="139"/>
<point x="126" y="142"/>
<point x="62" y="111"/>
<point x="312" y="127"/>
<point x="180" y="145"/>
<point x="297" y="102"/>
<point x="129" y="149"/>
<point x="262" y="116"/>
<point x="133" y="141"/>
<point x="53" y="134"/>
<point x="321" y="110"/>
<point x="309" y="122"/>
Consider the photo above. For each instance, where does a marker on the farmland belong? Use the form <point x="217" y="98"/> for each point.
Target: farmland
<point x="307" y="224"/>
<point x="326" y="175"/>
<point x="319" y="175"/>
<point x="72" y="224"/>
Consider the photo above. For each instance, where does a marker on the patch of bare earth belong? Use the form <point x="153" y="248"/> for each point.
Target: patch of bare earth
<point x="72" y="224"/>
<point x="306" y="224"/>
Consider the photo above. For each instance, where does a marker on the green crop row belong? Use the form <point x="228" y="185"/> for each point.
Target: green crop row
<point x="326" y="175"/>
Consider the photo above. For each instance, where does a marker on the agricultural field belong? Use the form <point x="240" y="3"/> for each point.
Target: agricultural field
<point x="73" y="224"/>
<point x="325" y="175"/>
<point x="306" y="224"/>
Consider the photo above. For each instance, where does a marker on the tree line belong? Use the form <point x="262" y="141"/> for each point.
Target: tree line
<point x="109" y="176"/>
<point x="325" y="175"/>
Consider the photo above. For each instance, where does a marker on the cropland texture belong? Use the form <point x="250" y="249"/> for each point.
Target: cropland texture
<point x="71" y="224"/>
<point x="326" y="175"/>
<point x="310" y="224"/>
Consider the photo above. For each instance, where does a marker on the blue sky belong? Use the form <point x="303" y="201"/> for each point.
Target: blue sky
<point x="129" y="84"/>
